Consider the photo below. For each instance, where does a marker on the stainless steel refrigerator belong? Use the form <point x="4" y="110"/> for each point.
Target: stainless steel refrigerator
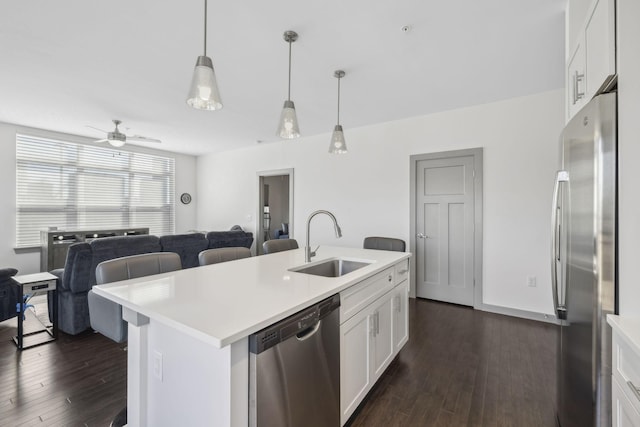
<point x="584" y="263"/>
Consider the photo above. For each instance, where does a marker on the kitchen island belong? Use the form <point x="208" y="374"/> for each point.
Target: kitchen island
<point x="188" y="330"/>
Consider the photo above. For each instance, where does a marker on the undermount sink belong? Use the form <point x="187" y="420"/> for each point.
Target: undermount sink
<point x="333" y="267"/>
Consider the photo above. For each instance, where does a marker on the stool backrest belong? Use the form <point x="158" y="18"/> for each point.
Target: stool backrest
<point x="384" y="244"/>
<point x="134" y="266"/>
<point x="214" y="256"/>
<point x="272" y="246"/>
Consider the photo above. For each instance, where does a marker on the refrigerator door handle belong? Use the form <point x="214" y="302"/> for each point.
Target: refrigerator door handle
<point x="558" y="306"/>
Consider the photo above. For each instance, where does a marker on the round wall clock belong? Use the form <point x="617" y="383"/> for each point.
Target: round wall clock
<point x="185" y="198"/>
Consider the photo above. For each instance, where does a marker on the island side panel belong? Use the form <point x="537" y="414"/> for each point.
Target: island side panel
<point x="196" y="383"/>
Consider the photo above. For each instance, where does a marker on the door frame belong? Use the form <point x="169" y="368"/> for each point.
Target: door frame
<point x="259" y="223"/>
<point x="477" y="235"/>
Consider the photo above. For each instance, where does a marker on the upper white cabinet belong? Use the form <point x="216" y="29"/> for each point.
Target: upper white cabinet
<point x="592" y="56"/>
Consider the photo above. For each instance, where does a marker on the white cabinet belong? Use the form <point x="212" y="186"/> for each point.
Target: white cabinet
<point x="355" y="369"/>
<point x="625" y="382"/>
<point x="382" y="350"/>
<point x="593" y="56"/>
<point x="623" y="412"/>
<point x="371" y="334"/>
<point x="401" y="315"/>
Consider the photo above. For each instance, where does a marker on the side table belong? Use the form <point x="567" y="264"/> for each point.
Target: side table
<point x="30" y="285"/>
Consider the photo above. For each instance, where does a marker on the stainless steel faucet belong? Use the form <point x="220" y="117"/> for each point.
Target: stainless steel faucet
<point x="308" y="253"/>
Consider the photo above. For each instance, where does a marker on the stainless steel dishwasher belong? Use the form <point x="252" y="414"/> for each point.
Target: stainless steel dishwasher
<point x="294" y="369"/>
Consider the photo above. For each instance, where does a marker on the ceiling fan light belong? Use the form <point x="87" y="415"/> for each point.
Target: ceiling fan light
<point x="337" y="145"/>
<point x="288" y="128"/>
<point x="204" y="94"/>
<point x="116" y="138"/>
<point x="116" y="142"/>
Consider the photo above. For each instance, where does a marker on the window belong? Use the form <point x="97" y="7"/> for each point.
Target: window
<point x="76" y="186"/>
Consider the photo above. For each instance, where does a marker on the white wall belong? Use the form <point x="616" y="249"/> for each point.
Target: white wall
<point x="628" y="66"/>
<point x="368" y="189"/>
<point x="29" y="261"/>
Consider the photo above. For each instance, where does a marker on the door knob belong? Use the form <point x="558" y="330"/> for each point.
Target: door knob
<point x="422" y="236"/>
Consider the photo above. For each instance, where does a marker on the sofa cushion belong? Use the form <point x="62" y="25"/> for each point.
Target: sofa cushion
<point x="188" y="246"/>
<point x="227" y="239"/>
<point x="77" y="273"/>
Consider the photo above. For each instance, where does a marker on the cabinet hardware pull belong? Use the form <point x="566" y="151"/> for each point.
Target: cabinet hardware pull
<point x="373" y="325"/>
<point x="403" y="271"/>
<point x="390" y="277"/>
<point x="578" y="78"/>
<point x="634" y="389"/>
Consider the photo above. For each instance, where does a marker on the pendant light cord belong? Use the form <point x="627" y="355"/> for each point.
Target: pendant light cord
<point x="339" y="100"/>
<point x="289" y="90"/>
<point x="205" y="27"/>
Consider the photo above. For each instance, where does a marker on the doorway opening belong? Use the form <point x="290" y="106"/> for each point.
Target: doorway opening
<point x="275" y="206"/>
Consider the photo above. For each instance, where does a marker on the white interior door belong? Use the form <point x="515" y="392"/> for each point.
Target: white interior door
<point x="444" y="225"/>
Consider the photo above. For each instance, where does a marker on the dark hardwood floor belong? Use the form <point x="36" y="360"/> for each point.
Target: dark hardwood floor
<point x="463" y="367"/>
<point x="74" y="381"/>
<point x="460" y="368"/>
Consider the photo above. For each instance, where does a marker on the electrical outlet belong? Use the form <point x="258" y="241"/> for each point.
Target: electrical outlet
<point x="157" y="365"/>
<point x="532" y="281"/>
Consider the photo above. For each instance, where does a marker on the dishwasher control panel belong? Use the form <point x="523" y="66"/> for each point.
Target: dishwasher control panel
<point x="292" y="325"/>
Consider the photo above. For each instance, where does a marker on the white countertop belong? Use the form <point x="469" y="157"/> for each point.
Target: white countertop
<point x="627" y="328"/>
<point x="222" y="303"/>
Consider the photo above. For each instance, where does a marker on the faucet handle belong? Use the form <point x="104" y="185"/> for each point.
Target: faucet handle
<point x="313" y="252"/>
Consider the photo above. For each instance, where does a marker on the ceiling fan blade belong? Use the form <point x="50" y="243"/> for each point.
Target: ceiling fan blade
<point x="101" y="140"/>
<point x="93" y="127"/>
<point x="142" y="139"/>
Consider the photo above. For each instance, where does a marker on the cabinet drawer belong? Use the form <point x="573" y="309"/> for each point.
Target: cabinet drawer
<point x="626" y="367"/>
<point x="364" y="293"/>
<point x="624" y="414"/>
<point x="402" y="270"/>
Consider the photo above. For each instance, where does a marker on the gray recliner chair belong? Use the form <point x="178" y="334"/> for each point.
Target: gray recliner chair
<point x="384" y="244"/>
<point x="215" y="256"/>
<point x="272" y="246"/>
<point x="106" y="315"/>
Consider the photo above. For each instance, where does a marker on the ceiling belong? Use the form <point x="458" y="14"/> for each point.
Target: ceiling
<point x="66" y="65"/>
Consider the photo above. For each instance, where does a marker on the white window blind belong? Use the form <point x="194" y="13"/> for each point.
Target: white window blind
<point x="76" y="186"/>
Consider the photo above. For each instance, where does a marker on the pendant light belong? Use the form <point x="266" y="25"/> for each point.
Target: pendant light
<point x="204" y="94"/>
<point x="288" y="127"/>
<point x="338" y="144"/>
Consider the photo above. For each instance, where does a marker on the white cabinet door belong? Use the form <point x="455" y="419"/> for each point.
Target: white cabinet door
<point x="382" y="343"/>
<point x="355" y="369"/>
<point x="576" y="80"/>
<point x="600" y="45"/>
<point x="624" y="414"/>
<point x="593" y="57"/>
<point x="400" y="316"/>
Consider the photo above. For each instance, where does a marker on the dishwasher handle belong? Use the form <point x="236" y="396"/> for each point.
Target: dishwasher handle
<point x="309" y="332"/>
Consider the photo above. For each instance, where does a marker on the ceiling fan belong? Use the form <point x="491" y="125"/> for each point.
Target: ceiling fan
<point x="118" y="139"/>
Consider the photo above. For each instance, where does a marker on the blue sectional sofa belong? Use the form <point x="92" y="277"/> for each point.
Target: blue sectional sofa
<point x="79" y="273"/>
<point x="8" y="294"/>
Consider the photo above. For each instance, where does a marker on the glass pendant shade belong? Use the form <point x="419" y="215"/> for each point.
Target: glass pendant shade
<point x="288" y="122"/>
<point x="338" y="145"/>
<point x="204" y="94"/>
